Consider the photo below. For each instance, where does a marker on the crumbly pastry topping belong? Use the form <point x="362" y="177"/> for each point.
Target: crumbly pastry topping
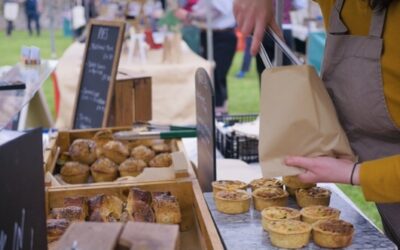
<point x="334" y="226"/>
<point x="315" y="192"/>
<point x="270" y="193"/>
<point x="280" y="213"/>
<point x="83" y="150"/>
<point x="265" y="182"/>
<point x="142" y="153"/>
<point x="235" y="195"/>
<point x="289" y="226"/>
<point x="132" y="164"/>
<point x="229" y="185"/>
<point x="72" y="168"/>
<point x="161" y="148"/>
<point x="104" y="165"/>
<point x="163" y="160"/>
<point x="56" y="226"/>
<point x="320" y="211"/>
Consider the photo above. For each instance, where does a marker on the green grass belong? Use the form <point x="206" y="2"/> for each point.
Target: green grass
<point x="10" y="53"/>
<point x="243" y="93"/>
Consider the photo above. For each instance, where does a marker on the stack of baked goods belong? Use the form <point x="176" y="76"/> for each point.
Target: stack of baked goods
<point x="142" y="206"/>
<point x="105" y="159"/>
<point x="287" y="227"/>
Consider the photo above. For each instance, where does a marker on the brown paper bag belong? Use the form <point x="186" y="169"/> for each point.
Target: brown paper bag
<point x="297" y="117"/>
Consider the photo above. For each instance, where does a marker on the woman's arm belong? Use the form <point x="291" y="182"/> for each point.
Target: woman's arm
<point x="379" y="179"/>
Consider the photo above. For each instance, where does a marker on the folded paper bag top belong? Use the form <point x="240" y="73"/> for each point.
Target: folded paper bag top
<point x="298" y="118"/>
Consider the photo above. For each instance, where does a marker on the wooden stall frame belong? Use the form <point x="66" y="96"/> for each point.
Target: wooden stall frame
<point x="121" y="26"/>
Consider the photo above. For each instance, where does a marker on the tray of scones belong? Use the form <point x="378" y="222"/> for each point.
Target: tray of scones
<point x="95" y="156"/>
<point x="169" y="202"/>
<point x="311" y="219"/>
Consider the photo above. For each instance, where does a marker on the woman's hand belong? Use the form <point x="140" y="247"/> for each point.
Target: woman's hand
<point x="254" y="16"/>
<point x="324" y="169"/>
<point x="181" y="14"/>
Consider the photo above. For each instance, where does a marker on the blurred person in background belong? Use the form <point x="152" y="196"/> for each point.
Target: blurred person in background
<point x="33" y="9"/>
<point x="11" y="9"/>
<point x="224" y="40"/>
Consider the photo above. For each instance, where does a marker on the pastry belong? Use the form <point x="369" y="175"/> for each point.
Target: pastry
<point x="56" y="228"/>
<point x="104" y="170"/>
<point x="70" y="213"/>
<point x="83" y="150"/>
<point x="115" y="151"/>
<point x="74" y="172"/>
<point x="289" y="233"/>
<point x="131" y="167"/>
<point x="163" y="160"/>
<point x="333" y="233"/>
<point x="269" y="197"/>
<point x="232" y="201"/>
<point x="265" y="182"/>
<point x="293" y="183"/>
<point x="105" y="208"/>
<point x="161" y="148"/>
<point x="78" y="201"/>
<point x="227" y="185"/>
<point x="166" y="208"/>
<point x="315" y="213"/>
<point x="313" y="196"/>
<point x="271" y="214"/>
<point x="138" y="206"/>
<point x="142" y="153"/>
<point x="101" y="138"/>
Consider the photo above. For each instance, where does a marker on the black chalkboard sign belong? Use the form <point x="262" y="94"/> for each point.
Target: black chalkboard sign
<point x="205" y="117"/>
<point x="22" y="205"/>
<point x="99" y="67"/>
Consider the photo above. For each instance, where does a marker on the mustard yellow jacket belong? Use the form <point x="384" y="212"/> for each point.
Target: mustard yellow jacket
<point x="380" y="179"/>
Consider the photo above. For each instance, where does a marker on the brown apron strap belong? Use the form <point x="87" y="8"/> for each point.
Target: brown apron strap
<point x="335" y="22"/>
<point x="377" y="23"/>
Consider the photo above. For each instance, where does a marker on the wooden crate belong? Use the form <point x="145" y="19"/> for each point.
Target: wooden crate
<point x="197" y="227"/>
<point x="60" y="142"/>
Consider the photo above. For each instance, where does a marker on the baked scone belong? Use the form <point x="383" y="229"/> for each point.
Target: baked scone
<point x="78" y="201"/>
<point x="56" y="228"/>
<point x="166" y="208"/>
<point x="315" y="213"/>
<point x="161" y="148"/>
<point x="313" y="196"/>
<point x="142" y="153"/>
<point x="269" y="197"/>
<point x="232" y="201"/>
<point x="333" y="233"/>
<point x="163" y="160"/>
<point x="227" y="185"/>
<point x="105" y="208"/>
<point x="138" y="206"/>
<point x="101" y="138"/>
<point x="74" y="172"/>
<point x="103" y="169"/>
<point x="293" y="183"/>
<point x="115" y="151"/>
<point x="70" y="213"/>
<point x="289" y="233"/>
<point x="83" y="150"/>
<point x="265" y="182"/>
<point x="131" y="167"/>
<point x="272" y="214"/>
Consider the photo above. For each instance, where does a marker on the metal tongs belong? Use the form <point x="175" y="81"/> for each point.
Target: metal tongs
<point x="282" y="45"/>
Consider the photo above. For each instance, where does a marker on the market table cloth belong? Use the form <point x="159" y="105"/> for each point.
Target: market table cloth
<point x="173" y="84"/>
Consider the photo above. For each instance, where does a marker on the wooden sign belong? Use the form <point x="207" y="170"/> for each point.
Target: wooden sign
<point x="99" y="68"/>
<point x="22" y="206"/>
<point x="205" y="117"/>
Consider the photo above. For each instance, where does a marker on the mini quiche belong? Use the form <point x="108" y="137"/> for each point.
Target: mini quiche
<point x="333" y="233"/>
<point x="272" y="214"/>
<point x="265" y="182"/>
<point x="292" y="184"/>
<point x="227" y="185"/>
<point x="315" y="213"/>
<point x="232" y="201"/>
<point x="289" y="233"/>
<point x="313" y="196"/>
<point x="269" y="197"/>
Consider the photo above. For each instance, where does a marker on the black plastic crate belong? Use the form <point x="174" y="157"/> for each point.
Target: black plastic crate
<point x="233" y="145"/>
